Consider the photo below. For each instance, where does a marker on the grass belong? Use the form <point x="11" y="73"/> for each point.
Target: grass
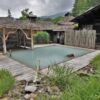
<point x="74" y="87"/>
<point x="61" y="77"/>
<point x="95" y="63"/>
<point x="83" y="89"/>
<point x="6" y="82"/>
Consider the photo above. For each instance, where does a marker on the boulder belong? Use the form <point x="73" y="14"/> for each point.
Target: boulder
<point x="31" y="88"/>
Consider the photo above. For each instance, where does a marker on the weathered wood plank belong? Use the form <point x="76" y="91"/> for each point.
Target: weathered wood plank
<point x="81" y="38"/>
<point x="17" y="69"/>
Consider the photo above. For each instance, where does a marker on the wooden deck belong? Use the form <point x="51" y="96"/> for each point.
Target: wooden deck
<point x="18" y="70"/>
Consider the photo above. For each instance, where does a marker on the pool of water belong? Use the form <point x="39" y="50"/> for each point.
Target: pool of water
<point x="46" y="56"/>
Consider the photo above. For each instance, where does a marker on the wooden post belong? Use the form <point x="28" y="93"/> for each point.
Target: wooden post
<point x="24" y="41"/>
<point x="4" y="41"/>
<point x="32" y="42"/>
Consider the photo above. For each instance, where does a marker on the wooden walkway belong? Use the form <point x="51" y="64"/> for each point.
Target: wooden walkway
<point x="18" y="70"/>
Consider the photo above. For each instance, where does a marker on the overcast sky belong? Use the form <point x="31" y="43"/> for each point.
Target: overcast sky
<point x="38" y="7"/>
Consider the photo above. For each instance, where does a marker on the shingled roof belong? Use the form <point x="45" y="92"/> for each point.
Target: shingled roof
<point x="9" y="22"/>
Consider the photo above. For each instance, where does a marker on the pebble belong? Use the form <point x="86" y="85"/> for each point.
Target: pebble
<point x="27" y="96"/>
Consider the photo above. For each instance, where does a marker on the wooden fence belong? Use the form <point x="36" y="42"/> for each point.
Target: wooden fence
<point x="81" y="38"/>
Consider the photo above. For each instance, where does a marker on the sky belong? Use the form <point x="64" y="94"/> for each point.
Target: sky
<point x="38" y="7"/>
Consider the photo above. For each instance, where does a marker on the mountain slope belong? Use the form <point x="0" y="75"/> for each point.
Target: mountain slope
<point x="55" y="15"/>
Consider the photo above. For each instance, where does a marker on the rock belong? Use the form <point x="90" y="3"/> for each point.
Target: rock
<point x="83" y="74"/>
<point x="86" y="71"/>
<point x="23" y="82"/>
<point x="41" y="90"/>
<point x="37" y="80"/>
<point x="31" y="88"/>
<point x="33" y="95"/>
<point x="31" y="99"/>
<point x="4" y="98"/>
<point x="14" y="93"/>
<point x="53" y="90"/>
<point x="27" y="96"/>
<point x="71" y="55"/>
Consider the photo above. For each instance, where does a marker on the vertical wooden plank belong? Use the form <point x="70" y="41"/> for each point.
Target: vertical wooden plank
<point x="24" y="41"/>
<point x="82" y="38"/>
<point x="94" y="39"/>
<point x="4" y="41"/>
<point x="65" y="40"/>
<point x="89" y="39"/>
<point x="32" y="42"/>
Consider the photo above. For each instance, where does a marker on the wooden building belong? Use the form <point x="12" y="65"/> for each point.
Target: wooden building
<point x="90" y="20"/>
<point x="17" y="33"/>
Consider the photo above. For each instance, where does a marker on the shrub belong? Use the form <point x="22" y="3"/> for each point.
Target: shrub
<point x="6" y="81"/>
<point x="61" y="77"/>
<point x="41" y="37"/>
<point x="76" y="26"/>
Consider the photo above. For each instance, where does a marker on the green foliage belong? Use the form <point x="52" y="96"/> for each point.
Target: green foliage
<point x="23" y="18"/>
<point x="95" y="63"/>
<point x="53" y="20"/>
<point x="76" y="26"/>
<point x="25" y="13"/>
<point x="61" y="77"/>
<point x="83" y="89"/>
<point x="74" y="87"/>
<point x="86" y="88"/>
<point x="6" y="82"/>
<point x="81" y="6"/>
<point x="41" y="37"/>
<point x="57" y="20"/>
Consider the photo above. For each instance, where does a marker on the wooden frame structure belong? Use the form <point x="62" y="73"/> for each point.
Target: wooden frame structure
<point x="10" y="26"/>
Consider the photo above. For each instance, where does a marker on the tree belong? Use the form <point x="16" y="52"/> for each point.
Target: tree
<point x="81" y="6"/>
<point x="9" y="13"/>
<point x="25" y="13"/>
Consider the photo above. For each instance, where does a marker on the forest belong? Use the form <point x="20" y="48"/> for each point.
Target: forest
<point x="81" y="6"/>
